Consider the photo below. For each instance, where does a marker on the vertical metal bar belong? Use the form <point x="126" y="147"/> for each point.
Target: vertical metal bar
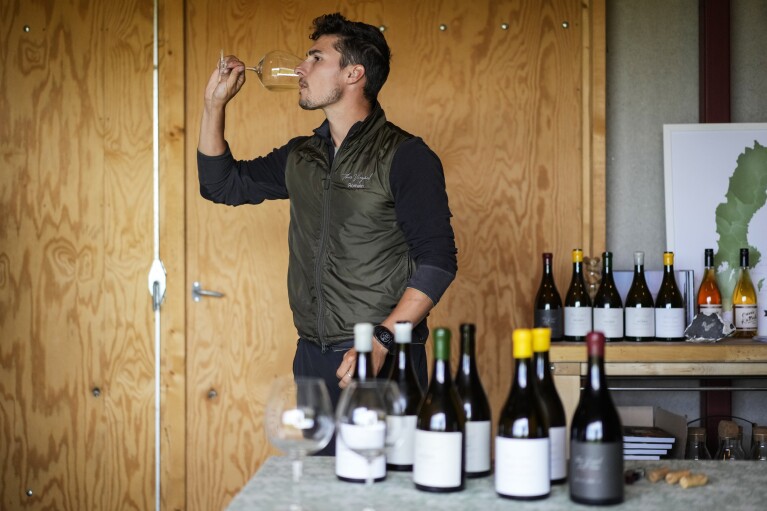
<point x="156" y="221"/>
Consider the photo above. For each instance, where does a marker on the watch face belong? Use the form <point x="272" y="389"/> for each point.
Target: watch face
<point x="384" y="335"/>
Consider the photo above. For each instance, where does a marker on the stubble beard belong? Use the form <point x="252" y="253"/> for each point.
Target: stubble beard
<point x="332" y="97"/>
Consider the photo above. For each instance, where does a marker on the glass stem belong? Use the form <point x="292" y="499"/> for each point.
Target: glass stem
<point x="369" y="478"/>
<point x="298" y="468"/>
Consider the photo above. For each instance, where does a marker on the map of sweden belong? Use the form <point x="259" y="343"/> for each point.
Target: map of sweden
<point x="747" y="193"/>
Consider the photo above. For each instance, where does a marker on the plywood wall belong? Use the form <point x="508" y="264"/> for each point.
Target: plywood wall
<point x="76" y="353"/>
<point x="515" y="114"/>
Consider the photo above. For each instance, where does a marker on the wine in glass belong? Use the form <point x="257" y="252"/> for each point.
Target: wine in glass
<point x="361" y="419"/>
<point x="276" y="70"/>
<point x="299" y="418"/>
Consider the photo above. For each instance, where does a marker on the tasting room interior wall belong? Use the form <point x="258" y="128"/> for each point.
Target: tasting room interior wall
<point x="652" y="79"/>
<point x="515" y="114"/>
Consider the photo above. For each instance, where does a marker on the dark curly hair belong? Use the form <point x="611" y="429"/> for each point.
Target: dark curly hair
<point x="358" y="43"/>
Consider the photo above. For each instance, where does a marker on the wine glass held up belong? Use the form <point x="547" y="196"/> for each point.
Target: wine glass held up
<point x="276" y="70"/>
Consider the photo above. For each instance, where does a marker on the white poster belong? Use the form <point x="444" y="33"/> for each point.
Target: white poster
<point x="716" y="190"/>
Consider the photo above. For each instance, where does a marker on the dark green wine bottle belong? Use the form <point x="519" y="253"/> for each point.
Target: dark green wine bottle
<point x="439" y="436"/>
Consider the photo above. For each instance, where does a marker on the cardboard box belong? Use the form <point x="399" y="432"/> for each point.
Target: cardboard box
<point x="663" y="419"/>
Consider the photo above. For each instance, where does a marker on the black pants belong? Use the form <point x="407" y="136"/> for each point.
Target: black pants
<point x="311" y="361"/>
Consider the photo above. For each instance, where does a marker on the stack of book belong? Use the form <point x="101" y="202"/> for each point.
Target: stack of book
<point x="646" y="443"/>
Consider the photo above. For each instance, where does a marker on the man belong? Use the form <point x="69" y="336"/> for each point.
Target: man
<point x="370" y="236"/>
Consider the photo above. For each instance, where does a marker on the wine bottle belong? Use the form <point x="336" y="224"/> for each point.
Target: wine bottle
<point x="744" y="301"/>
<point x="475" y="406"/>
<point x="669" y="305"/>
<point x="608" y="306"/>
<point x="552" y="405"/>
<point x="640" y="307"/>
<point x="522" y="457"/>
<point x="363" y="345"/>
<point x="596" y="436"/>
<point x="351" y="466"/>
<point x="548" y="304"/>
<point x="439" y="434"/>
<point x="400" y="458"/>
<point x="709" y="298"/>
<point x="577" y="303"/>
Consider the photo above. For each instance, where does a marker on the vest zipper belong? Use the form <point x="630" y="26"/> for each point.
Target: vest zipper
<point x="320" y="259"/>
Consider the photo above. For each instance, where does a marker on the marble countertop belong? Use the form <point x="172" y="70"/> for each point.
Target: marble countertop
<point x="732" y="486"/>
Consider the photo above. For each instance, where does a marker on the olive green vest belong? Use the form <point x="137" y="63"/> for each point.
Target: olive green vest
<point x="349" y="260"/>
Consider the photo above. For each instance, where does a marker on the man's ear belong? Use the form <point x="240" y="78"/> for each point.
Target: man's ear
<point x="356" y="73"/>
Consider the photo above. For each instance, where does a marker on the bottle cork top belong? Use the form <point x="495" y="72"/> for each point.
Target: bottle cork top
<point x="363" y="337"/>
<point x="541" y="339"/>
<point x="522" y="343"/>
<point x="403" y="332"/>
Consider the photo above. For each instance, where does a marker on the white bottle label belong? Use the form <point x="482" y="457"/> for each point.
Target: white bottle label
<point x="669" y="323"/>
<point x="640" y="322"/>
<point x="477" y="446"/>
<point x="609" y="322"/>
<point x="402" y="453"/>
<point x="351" y="465"/>
<point x="744" y="316"/>
<point x="577" y="321"/>
<point x="437" y="461"/>
<point x="522" y="466"/>
<point x="558" y="438"/>
<point x="707" y="308"/>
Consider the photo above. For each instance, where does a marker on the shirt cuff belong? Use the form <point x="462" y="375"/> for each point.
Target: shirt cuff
<point x="431" y="281"/>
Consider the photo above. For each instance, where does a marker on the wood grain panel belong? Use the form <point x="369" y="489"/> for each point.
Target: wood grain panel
<point x="75" y="213"/>
<point x="504" y="110"/>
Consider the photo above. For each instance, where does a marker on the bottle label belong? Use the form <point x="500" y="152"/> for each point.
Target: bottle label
<point x="710" y="308"/>
<point x="577" y="321"/>
<point x="669" y="323"/>
<point x="477" y="446"/>
<point x="609" y="322"/>
<point x="437" y="461"/>
<point x="551" y="318"/>
<point x="744" y="316"/>
<point x="596" y="470"/>
<point x="558" y="436"/>
<point x="640" y="322"/>
<point x="403" y="427"/>
<point x="351" y="465"/>
<point x="522" y="466"/>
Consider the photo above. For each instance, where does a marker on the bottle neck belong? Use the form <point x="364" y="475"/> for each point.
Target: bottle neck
<point x="403" y="356"/>
<point x="364" y="366"/>
<point x="441" y="373"/>
<point x="596" y="380"/>
<point x="542" y="366"/>
<point x="468" y="349"/>
<point x="523" y="373"/>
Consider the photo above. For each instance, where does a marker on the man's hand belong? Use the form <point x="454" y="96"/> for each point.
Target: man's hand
<point x="224" y="83"/>
<point x="348" y="365"/>
<point x="345" y="370"/>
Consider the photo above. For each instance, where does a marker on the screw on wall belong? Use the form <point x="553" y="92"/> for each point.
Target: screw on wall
<point x="212" y="394"/>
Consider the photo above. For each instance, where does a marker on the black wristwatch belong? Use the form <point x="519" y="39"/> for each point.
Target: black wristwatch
<point x="384" y="336"/>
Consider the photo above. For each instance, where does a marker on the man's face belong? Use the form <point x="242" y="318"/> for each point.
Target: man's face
<point x="320" y="75"/>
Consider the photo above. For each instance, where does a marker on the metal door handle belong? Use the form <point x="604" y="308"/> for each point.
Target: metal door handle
<point x="198" y="292"/>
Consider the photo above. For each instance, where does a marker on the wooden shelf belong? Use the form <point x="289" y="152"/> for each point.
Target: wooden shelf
<point x="728" y="350"/>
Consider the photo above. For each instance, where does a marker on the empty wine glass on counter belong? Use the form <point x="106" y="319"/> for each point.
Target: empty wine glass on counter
<point x="299" y="418"/>
<point x="276" y="70"/>
<point x="362" y="420"/>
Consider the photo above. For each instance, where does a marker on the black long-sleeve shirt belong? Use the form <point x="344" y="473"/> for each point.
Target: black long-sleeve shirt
<point x="416" y="179"/>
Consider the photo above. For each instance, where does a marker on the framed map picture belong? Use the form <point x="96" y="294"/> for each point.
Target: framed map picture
<point x="716" y="190"/>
